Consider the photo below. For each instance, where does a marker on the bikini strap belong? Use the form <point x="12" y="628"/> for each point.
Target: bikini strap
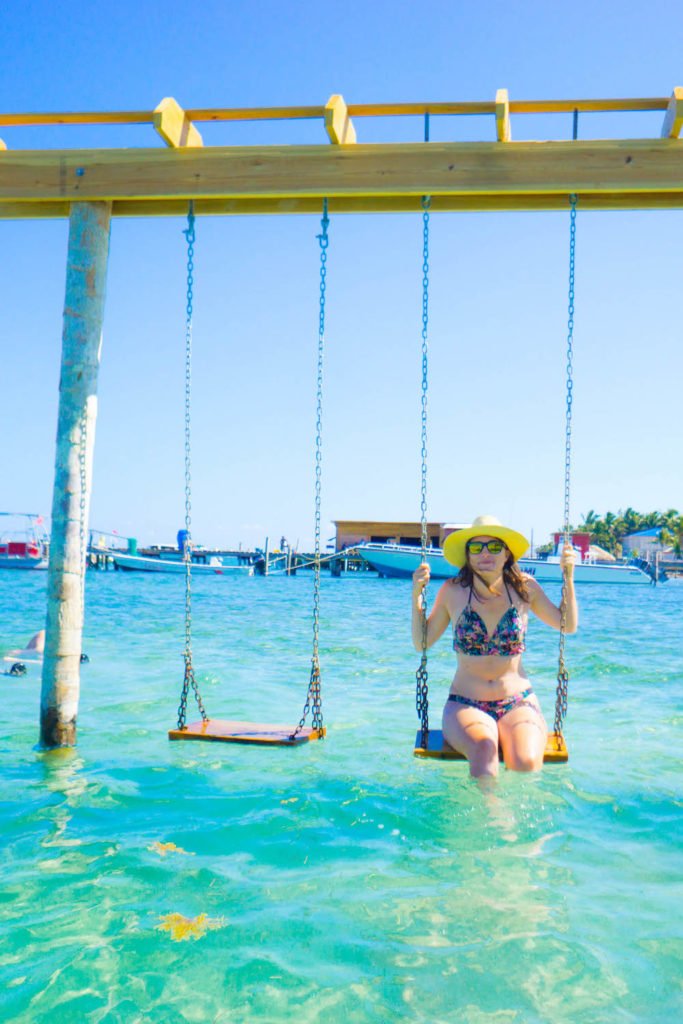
<point x="507" y="591"/>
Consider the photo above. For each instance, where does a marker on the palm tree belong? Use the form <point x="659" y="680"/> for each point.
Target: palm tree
<point x="672" y="534"/>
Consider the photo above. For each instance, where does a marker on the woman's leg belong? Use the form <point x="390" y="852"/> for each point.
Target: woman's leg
<point x="474" y="734"/>
<point x="523" y="735"/>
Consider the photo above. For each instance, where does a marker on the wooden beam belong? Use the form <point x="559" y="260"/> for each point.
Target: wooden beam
<point x="174" y="126"/>
<point x="612" y="106"/>
<point x="364" y="172"/>
<point x="247" y="206"/>
<point x="353" y="109"/>
<point x="516" y="107"/>
<point x="503" y="116"/>
<point x="673" y="122"/>
<point x="254" y="113"/>
<point x="338" y="125"/>
<point x="78" y="117"/>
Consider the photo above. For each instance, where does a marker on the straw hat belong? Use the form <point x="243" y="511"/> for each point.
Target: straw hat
<point x="455" y="545"/>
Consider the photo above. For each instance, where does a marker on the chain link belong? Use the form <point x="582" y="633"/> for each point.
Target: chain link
<point x="189" y="680"/>
<point x="422" y="675"/>
<point x="562" y="673"/>
<point x="313" y="695"/>
<point x="82" y="501"/>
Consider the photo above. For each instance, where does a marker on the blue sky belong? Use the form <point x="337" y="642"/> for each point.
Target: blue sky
<point x="498" y="297"/>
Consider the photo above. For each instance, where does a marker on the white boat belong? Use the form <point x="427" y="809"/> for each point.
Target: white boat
<point x="24" y="543"/>
<point x="214" y="566"/>
<point x="402" y="560"/>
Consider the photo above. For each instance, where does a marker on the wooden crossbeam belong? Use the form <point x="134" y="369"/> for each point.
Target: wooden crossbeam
<point x="419" y="109"/>
<point x="477" y="173"/>
<point x="503" y="133"/>
<point x="673" y="122"/>
<point x="34" y="120"/>
<point x="516" y="107"/>
<point x="174" y="126"/>
<point x="245" y="206"/>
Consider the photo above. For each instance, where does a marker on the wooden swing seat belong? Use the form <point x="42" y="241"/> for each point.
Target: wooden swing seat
<point x="219" y="730"/>
<point x="555" y="750"/>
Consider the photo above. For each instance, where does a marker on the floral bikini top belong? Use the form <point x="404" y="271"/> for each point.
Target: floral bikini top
<point x="470" y="635"/>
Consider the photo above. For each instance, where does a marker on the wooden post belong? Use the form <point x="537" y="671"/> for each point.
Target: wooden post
<point x="81" y="341"/>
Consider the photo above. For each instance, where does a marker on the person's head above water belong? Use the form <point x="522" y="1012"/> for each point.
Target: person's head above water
<point x="485" y="530"/>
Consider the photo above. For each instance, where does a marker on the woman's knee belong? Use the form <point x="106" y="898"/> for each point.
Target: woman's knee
<point x="524" y="761"/>
<point x="483" y="756"/>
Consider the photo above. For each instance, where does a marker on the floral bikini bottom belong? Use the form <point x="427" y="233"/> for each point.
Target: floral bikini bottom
<point x="498" y="708"/>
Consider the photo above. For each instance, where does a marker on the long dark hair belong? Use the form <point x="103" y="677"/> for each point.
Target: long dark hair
<point x="512" y="575"/>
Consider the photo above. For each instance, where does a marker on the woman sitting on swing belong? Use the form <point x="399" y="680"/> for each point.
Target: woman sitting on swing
<point x="491" y="702"/>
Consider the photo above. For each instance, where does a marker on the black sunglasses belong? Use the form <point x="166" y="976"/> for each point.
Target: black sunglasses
<point x="475" y="547"/>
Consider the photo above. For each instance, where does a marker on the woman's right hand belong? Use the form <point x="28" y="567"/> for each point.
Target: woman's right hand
<point x="421" y="578"/>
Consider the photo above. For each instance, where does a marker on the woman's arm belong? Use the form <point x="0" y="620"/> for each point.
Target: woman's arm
<point x="543" y="607"/>
<point x="438" y="619"/>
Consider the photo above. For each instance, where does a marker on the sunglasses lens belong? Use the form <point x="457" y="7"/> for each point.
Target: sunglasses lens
<point x="495" y="547"/>
<point x="476" y="547"/>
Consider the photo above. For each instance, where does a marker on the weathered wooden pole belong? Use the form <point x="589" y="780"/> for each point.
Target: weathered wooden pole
<point x="86" y="275"/>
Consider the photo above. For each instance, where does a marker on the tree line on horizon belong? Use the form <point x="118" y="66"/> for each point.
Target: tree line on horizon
<point x="608" y="531"/>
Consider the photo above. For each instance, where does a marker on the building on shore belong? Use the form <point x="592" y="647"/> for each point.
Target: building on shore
<point x="350" y="532"/>
<point x="644" y="544"/>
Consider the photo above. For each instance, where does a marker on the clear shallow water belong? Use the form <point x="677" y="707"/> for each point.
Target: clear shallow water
<point x="344" y="880"/>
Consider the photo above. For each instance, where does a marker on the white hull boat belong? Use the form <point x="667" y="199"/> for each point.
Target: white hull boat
<point x="214" y="567"/>
<point x="401" y="561"/>
<point x="23" y="541"/>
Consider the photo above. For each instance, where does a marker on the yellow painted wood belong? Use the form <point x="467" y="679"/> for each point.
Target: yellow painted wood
<point x="338" y="125"/>
<point x="353" y="110"/>
<point x="503" y="133"/>
<point x="555" y="751"/>
<point x="46" y="210"/>
<point x="254" y="113"/>
<point x="174" y="126"/>
<point x="419" y="109"/>
<point x="673" y="122"/>
<point x="465" y="169"/>
<point x="516" y="107"/>
<point x="78" y="117"/>
<point x="587" y="106"/>
<point x="217" y="730"/>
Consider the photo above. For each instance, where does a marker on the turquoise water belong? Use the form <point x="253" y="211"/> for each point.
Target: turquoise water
<point x="344" y="880"/>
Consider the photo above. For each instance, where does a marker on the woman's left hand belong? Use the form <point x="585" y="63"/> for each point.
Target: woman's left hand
<point x="568" y="561"/>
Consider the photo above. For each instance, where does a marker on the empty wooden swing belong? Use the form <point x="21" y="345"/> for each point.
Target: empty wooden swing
<point x="229" y="731"/>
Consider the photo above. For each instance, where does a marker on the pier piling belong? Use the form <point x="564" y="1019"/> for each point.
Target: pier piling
<point x="86" y="273"/>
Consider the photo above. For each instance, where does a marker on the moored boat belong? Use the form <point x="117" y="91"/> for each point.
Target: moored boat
<point x="214" y="566"/>
<point x="24" y="543"/>
<point x="401" y="560"/>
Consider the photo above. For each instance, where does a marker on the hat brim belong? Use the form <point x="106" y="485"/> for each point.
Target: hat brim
<point x="455" y="545"/>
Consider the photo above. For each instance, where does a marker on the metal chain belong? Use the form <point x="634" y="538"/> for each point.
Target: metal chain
<point x="189" y="678"/>
<point x="313" y="695"/>
<point x="562" y="673"/>
<point x="82" y="467"/>
<point x="422" y="675"/>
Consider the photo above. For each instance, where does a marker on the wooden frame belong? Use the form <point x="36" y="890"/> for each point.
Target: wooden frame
<point x="92" y="185"/>
<point x="355" y="178"/>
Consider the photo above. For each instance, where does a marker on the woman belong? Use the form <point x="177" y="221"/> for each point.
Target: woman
<point x="491" y="702"/>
